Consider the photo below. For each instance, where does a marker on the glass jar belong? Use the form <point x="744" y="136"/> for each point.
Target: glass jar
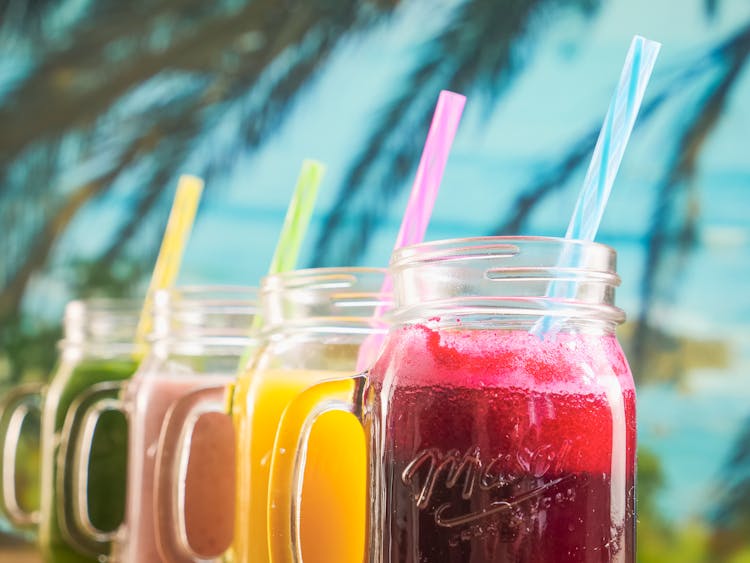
<point x="315" y="323"/>
<point x="500" y="414"/>
<point x="199" y="335"/>
<point x="96" y="353"/>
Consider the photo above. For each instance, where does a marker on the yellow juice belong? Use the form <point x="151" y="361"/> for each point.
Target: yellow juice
<point x="334" y="491"/>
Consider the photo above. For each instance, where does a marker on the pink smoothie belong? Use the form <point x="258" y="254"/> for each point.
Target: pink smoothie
<point x="209" y="488"/>
<point x="501" y="447"/>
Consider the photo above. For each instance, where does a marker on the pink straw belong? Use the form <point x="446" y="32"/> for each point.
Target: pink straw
<point x="424" y="192"/>
<point x="437" y="147"/>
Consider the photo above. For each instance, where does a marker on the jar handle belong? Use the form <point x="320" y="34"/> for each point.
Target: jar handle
<point x="74" y="457"/>
<point x="18" y="404"/>
<point x="288" y="459"/>
<point x="170" y="475"/>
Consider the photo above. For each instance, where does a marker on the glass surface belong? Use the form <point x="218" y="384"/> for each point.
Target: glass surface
<point x="501" y="411"/>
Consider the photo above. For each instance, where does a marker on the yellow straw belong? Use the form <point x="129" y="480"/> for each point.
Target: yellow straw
<point x="176" y="235"/>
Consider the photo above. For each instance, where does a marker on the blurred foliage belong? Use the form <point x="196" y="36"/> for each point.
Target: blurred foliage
<point x="660" y="541"/>
<point x="731" y="515"/>
<point x="29" y="350"/>
<point x="30" y="347"/>
<point x="479" y="51"/>
<point x="110" y="97"/>
<point x="28" y="472"/>
<point x="143" y="90"/>
<point x="671" y="357"/>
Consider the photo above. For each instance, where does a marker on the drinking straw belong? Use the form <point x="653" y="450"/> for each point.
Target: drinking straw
<point x="608" y="153"/>
<point x="297" y="217"/>
<point x="293" y="231"/>
<point x="179" y="225"/>
<point x="424" y="191"/>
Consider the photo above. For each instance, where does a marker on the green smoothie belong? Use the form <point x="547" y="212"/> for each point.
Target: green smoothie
<point x="107" y="465"/>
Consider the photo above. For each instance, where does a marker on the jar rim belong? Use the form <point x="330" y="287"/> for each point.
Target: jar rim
<point x="325" y="296"/>
<point x="238" y="298"/>
<point x="484" y="246"/>
<point x="200" y="290"/>
<point x="516" y="276"/>
<point x="308" y="276"/>
<point x="116" y="304"/>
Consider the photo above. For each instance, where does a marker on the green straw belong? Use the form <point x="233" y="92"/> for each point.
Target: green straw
<point x="293" y="231"/>
<point x="297" y="217"/>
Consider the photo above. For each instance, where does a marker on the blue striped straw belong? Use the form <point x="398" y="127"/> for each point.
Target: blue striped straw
<point x="605" y="163"/>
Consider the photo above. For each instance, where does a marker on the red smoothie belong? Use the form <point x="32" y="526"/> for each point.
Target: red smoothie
<point x="503" y="447"/>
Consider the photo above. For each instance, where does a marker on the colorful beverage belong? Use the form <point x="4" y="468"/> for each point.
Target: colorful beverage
<point x="333" y="492"/>
<point x="106" y="478"/>
<point x="506" y="448"/>
<point x="211" y="456"/>
<point x="179" y="478"/>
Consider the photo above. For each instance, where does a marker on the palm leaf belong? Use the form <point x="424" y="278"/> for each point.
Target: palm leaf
<point x="269" y="74"/>
<point x="557" y="176"/>
<point x="480" y="49"/>
<point x="308" y="42"/>
<point x="733" y="55"/>
<point x="733" y="506"/>
<point x="710" y="7"/>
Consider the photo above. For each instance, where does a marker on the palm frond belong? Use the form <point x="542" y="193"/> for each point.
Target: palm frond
<point x="292" y="41"/>
<point x="24" y="14"/>
<point x="551" y="181"/>
<point x="710" y="7"/>
<point x="96" y="85"/>
<point x="309" y="38"/>
<point x="557" y="176"/>
<point x="733" y="506"/>
<point x="42" y="243"/>
<point x="458" y="58"/>
<point x="734" y="55"/>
